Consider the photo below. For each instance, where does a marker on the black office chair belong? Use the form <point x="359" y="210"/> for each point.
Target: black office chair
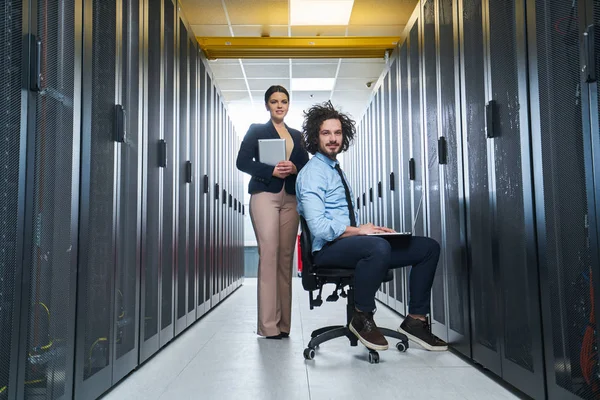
<point x="314" y="278"/>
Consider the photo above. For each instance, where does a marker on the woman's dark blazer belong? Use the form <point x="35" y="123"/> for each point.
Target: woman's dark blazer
<point x="262" y="174"/>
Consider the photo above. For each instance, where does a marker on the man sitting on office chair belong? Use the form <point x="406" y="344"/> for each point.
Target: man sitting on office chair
<point x="325" y="202"/>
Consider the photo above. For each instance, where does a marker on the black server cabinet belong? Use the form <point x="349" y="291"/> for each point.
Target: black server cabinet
<point x="561" y="94"/>
<point x="485" y="314"/>
<point x="404" y="170"/>
<point x="155" y="162"/>
<point x="451" y="181"/>
<point x="50" y="102"/>
<point x="40" y="88"/>
<point x="395" y="177"/>
<point x="513" y="242"/>
<point x="431" y="129"/>
<point x="129" y="160"/>
<point x="95" y="305"/>
<point x="13" y="150"/>
<point x="193" y="178"/>
<point x="203" y="188"/>
<point x="223" y="200"/>
<point x="211" y="193"/>
<point x="216" y="242"/>
<point x="215" y="198"/>
<point x="110" y="194"/>
<point x="378" y="156"/>
<point x="183" y="181"/>
<point x="169" y="192"/>
<point x="388" y="142"/>
<point x="370" y="149"/>
<point x="416" y="162"/>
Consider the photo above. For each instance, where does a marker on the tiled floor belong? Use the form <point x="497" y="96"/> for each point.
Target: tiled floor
<point x="220" y="357"/>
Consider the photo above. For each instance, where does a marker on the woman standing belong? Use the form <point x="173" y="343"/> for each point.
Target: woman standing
<point x="273" y="213"/>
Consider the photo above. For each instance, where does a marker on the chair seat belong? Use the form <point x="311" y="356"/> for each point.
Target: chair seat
<point x="333" y="272"/>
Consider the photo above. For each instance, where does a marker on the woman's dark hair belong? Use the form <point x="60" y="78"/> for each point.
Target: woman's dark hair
<point x="314" y="118"/>
<point x="275" y="89"/>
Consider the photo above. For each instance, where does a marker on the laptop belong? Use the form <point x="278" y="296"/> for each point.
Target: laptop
<point x="271" y="151"/>
<point x="398" y="238"/>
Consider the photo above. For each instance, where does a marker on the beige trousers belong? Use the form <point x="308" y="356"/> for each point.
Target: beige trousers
<point x="275" y="221"/>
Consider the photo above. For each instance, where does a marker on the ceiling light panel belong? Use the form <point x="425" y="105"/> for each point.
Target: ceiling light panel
<point x="312" y="84"/>
<point x="320" y="12"/>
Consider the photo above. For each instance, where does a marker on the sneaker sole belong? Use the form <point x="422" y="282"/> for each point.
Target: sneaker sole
<point x="423" y="344"/>
<point x="369" y="345"/>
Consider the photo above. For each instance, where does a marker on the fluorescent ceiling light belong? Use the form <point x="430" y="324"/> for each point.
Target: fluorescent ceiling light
<point x="312" y="84"/>
<point x="320" y="12"/>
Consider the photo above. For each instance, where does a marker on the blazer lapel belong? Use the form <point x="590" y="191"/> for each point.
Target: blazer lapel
<point x="271" y="129"/>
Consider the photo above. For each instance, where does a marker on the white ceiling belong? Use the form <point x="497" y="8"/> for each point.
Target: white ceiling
<point x="243" y="82"/>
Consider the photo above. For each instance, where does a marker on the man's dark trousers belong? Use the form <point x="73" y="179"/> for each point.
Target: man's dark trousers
<point x="372" y="257"/>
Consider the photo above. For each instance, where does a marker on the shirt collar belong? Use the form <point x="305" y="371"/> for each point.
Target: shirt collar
<point x="326" y="159"/>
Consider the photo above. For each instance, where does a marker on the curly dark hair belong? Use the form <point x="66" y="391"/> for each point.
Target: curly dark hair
<point x="314" y="118"/>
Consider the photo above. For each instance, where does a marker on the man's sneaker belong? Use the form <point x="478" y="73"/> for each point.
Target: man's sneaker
<point x="363" y="326"/>
<point x="420" y="332"/>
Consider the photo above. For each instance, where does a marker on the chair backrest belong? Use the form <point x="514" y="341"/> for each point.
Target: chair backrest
<point x="309" y="281"/>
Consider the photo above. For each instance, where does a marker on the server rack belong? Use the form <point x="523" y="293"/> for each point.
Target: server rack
<point x="184" y="166"/>
<point x="431" y="127"/>
<point x="484" y="308"/>
<point x="171" y="175"/>
<point x="127" y="278"/>
<point x="50" y="105"/>
<point x="564" y="130"/>
<point x="385" y="188"/>
<point x="193" y="178"/>
<point x="404" y="169"/>
<point x="13" y="151"/>
<point x="203" y="190"/>
<point x="109" y="227"/>
<point x="155" y="161"/>
<point x="453" y="211"/>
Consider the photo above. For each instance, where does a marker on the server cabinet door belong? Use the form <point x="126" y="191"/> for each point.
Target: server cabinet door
<point x="47" y="326"/>
<point x="484" y="306"/>
<point x="194" y="241"/>
<point x="388" y="154"/>
<point x="214" y="243"/>
<point x="416" y="132"/>
<point x="212" y="192"/>
<point x="100" y="156"/>
<point x="514" y="238"/>
<point x="218" y="196"/>
<point x="183" y="187"/>
<point x="170" y="194"/>
<point x="453" y="212"/>
<point x="561" y="196"/>
<point x="153" y="180"/>
<point x="13" y="142"/>
<point x="203" y="188"/>
<point x="127" y="278"/>
<point x="404" y="180"/>
<point x="432" y="164"/>
<point x="591" y="50"/>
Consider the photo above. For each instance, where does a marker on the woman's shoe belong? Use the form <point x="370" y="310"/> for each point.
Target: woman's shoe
<point x="274" y="337"/>
<point x="284" y="335"/>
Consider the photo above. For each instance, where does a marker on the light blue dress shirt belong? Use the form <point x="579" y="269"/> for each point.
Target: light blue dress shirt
<point x="322" y="200"/>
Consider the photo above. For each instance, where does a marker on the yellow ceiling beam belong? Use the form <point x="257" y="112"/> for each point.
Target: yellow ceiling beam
<point x="296" y="47"/>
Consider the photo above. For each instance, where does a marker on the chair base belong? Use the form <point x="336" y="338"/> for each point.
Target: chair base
<point x="328" y="333"/>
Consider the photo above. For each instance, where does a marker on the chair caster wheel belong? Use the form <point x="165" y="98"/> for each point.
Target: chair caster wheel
<point x="402" y="346"/>
<point x="309" y="353"/>
<point x="373" y="357"/>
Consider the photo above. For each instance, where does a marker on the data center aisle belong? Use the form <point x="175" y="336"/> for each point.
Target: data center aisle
<point x="220" y="357"/>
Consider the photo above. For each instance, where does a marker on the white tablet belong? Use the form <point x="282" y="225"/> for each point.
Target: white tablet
<point x="271" y="151"/>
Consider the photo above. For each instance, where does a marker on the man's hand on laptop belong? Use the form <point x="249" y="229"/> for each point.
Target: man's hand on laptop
<point x="370" y="229"/>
